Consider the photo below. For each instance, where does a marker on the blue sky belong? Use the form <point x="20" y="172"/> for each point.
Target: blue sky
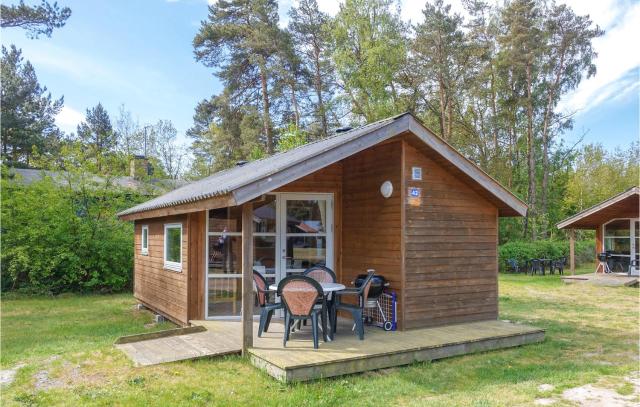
<point x="139" y="53"/>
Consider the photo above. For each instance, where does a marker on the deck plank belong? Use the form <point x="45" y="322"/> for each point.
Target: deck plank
<point x="346" y="354"/>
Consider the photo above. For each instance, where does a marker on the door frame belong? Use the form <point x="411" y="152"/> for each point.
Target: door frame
<point x="281" y="234"/>
<point x="281" y="198"/>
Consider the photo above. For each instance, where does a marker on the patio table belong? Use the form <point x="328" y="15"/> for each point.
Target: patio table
<point x="327" y="288"/>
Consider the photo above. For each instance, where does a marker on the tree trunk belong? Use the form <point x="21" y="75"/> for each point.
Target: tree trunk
<point x="265" y="110"/>
<point x="531" y="163"/>
<point x="294" y="101"/>
<point x="322" y="115"/>
<point x="443" y="107"/>
<point x="546" y="140"/>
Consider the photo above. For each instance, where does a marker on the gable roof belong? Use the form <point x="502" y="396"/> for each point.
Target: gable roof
<point x="623" y="205"/>
<point x="241" y="184"/>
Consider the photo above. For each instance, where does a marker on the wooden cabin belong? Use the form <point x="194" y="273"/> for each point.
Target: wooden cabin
<point x="616" y="222"/>
<point x="389" y="195"/>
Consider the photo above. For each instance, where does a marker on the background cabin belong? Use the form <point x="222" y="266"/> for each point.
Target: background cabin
<point x="616" y="222"/>
<point x="431" y="231"/>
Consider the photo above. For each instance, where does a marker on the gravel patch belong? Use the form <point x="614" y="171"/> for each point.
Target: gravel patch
<point x="7" y="376"/>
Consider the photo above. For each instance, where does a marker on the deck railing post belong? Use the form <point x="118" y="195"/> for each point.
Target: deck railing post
<point x="572" y="251"/>
<point x="247" y="277"/>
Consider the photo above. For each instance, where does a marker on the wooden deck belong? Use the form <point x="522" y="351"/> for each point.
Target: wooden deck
<point x="346" y="355"/>
<point x="608" y="280"/>
<point x="214" y="341"/>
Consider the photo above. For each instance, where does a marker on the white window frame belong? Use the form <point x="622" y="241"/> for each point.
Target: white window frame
<point x="172" y="265"/>
<point x="630" y="236"/>
<point x="144" y="243"/>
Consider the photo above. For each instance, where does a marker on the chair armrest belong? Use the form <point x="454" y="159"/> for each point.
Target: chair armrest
<point x="347" y="291"/>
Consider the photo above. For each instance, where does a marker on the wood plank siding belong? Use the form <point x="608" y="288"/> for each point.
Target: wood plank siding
<point x="176" y="295"/>
<point x="371" y="226"/>
<point x="450" y="237"/>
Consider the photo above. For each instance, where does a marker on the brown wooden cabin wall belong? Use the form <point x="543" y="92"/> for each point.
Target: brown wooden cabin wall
<point x="197" y="252"/>
<point x="164" y="291"/>
<point x="371" y="226"/>
<point x="450" y="238"/>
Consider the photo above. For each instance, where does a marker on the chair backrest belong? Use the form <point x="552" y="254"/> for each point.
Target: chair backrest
<point x="261" y="287"/>
<point x="363" y="290"/>
<point x="321" y="274"/>
<point x="299" y="294"/>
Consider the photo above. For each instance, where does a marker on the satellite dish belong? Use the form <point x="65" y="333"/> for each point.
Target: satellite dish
<point x="386" y="189"/>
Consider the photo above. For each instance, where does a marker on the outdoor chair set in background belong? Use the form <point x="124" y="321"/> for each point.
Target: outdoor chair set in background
<point x="537" y="266"/>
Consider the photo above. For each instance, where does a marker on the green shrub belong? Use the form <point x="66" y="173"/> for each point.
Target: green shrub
<point x="547" y="249"/>
<point x="64" y="236"/>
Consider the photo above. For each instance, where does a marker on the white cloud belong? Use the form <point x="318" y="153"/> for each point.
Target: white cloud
<point x="68" y="119"/>
<point x="618" y="59"/>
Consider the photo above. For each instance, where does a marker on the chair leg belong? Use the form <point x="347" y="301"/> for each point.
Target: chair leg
<point x="314" y="329"/>
<point x="287" y="327"/>
<point x="323" y="318"/>
<point x="268" y="320"/>
<point x="263" y="319"/>
<point x="357" y="316"/>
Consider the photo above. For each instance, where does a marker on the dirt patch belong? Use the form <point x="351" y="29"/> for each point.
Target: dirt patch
<point x="44" y="382"/>
<point x="591" y="395"/>
<point x="544" y="402"/>
<point x="7" y="376"/>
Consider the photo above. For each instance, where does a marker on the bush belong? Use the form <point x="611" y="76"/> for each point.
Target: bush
<point x="547" y="249"/>
<point x="59" y="236"/>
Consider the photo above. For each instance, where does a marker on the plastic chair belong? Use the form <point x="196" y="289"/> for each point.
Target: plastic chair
<point x="266" y="308"/>
<point x="536" y="266"/>
<point x="300" y="295"/>
<point x="514" y="267"/>
<point x="355" y="310"/>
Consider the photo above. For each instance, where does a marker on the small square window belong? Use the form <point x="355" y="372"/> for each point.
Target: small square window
<point x="173" y="246"/>
<point x="144" y="244"/>
<point x="416" y="173"/>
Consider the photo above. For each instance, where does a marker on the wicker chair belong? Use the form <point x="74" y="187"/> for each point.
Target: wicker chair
<point x="266" y="308"/>
<point x="300" y="295"/>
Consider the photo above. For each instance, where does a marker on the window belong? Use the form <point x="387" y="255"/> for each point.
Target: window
<point x="145" y="240"/>
<point x="173" y="246"/>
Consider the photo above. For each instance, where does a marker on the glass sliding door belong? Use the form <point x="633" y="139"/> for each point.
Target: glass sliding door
<point x="291" y="232"/>
<point x="307" y="232"/>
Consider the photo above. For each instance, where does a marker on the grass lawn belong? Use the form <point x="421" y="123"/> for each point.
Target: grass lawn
<point x="65" y="344"/>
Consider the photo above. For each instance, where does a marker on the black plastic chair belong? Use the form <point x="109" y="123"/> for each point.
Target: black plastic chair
<point x="300" y="295"/>
<point x="536" y="266"/>
<point x="266" y="307"/>
<point x="513" y="265"/>
<point x="558" y="265"/>
<point x="355" y="310"/>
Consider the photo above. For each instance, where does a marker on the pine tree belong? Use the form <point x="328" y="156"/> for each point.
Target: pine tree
<point x="97" y="134"/>
<point x="441" y="55"/>
<point x="241" y="39"/>
<point x="310" y="29"/>
<point x="28" y="112"/>
<point x="36" y="20"/>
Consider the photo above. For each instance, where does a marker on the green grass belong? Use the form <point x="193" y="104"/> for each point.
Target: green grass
<point x="592" y="337"/>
